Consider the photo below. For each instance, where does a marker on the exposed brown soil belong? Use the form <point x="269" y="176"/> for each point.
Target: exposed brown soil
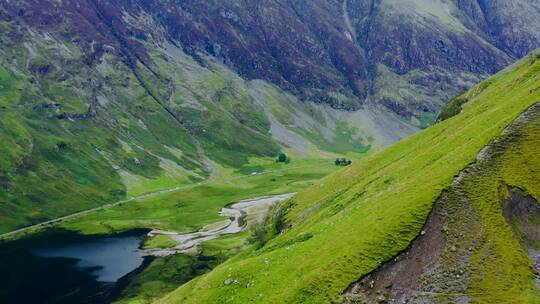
<point x="433" y="268"/>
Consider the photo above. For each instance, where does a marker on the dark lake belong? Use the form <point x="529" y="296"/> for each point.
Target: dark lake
<point x="64" y="267"/>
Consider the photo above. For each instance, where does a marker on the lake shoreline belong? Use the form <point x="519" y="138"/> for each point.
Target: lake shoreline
<point x="65" y="278"/>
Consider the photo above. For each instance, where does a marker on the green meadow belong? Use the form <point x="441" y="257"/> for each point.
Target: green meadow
<point x="190" y="209"/>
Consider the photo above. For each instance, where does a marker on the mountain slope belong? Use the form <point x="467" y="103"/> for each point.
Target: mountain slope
<point x="467" y="250"/>
<point x="88" y="118"/>
<point x="407" y="56"/>
<point x="103" y="100"/>
<point x="357" y="219"/>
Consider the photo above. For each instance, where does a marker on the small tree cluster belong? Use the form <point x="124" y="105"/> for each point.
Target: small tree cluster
<point x="342" y="162"/>
<point x="273" y="224"/>
<point x="61" y="145"/>
<point x="283" y="158"/>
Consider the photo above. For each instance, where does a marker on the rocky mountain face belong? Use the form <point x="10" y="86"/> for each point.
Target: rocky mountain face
<point x="99" y="98"/>
<point x="343" y="53"/>
<point x="407" y="55"/>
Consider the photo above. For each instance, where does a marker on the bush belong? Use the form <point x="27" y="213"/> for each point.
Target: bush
<point x="453" y="108"/>
<point x="40" y="65"/>
<point x="283" y="158"/>
<point x="61" y="145"/>
<point x="342" y="162"/>
<point x="273" y="225"/>
<point x="259" y="236"/>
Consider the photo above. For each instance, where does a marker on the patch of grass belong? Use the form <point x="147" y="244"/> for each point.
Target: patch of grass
<point x="137" y="185"/>
<point x="67" y="99"/>
<point x="360" y="217"/>
<point x="192" y="208"/>
<point x="165" y="274"/>
<point x="159" y="241"/>
<point x="225" y="246"/>
<point x="344" y="140"/>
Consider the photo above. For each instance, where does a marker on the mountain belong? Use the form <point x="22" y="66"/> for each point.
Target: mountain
<point x="104" y="100"/>
<point x="449" y="215"/>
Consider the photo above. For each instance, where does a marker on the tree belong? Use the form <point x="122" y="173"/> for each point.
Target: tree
<point x="283" y="158"/>
<point x="342" y="162"/>
<point x="61" y="145"/>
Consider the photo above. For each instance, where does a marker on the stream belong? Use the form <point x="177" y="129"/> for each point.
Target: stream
<point x="240" y="214"/>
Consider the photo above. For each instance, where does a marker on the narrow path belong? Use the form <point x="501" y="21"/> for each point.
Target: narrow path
<point x="238" y="222"/>
<point x="135" y="198"/>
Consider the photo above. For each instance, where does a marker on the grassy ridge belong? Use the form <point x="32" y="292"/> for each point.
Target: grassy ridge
<point x="356" y="219"/>
<point x="500" y="268"/>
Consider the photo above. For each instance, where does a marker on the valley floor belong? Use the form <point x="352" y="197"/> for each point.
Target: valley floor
<point x="182" y="211"/>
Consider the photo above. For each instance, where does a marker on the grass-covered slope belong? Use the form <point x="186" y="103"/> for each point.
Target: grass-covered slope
<point x="82" y="126"/>
<point x="479" y="236"/>
<point x="355" y="220"/>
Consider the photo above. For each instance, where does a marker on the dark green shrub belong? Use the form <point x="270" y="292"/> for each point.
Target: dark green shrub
<point x="453" y="108"/>
<point x="61" y="145"/>
<point x="342" y="162"/>
<point x="283" y="158"/>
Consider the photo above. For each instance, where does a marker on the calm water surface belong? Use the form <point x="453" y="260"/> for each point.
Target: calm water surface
<point x="107" y="259"/>
<point x="62" y="267"/>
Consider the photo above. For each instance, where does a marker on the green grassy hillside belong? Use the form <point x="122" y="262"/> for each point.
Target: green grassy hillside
<point x="353" y="221"/>
<point x="480" y="242"/>
<point x="79" y="132"/>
